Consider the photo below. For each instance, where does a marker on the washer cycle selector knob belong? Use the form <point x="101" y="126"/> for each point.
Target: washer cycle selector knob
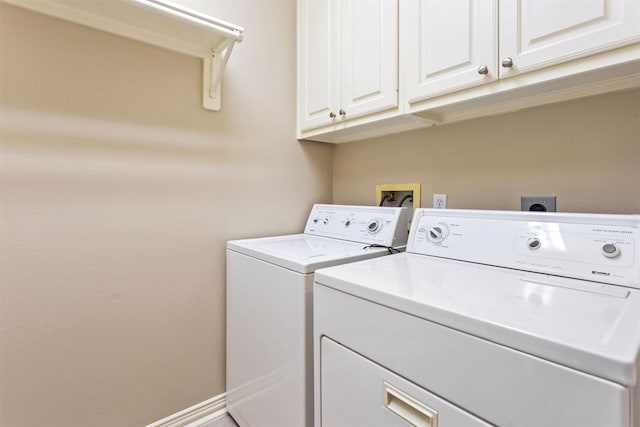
<point x="534" y="243"/>
<point x="437" y="233"/>
<point x="610" y="250"/>
<point x="373" y="226"/>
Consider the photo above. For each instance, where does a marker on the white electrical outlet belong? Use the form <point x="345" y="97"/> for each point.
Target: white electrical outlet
<point x="440" y="201"/>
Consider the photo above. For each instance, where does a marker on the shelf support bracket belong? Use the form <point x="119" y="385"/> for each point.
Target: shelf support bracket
<point x="160" y="23"/>
<point x="214" y="65"/>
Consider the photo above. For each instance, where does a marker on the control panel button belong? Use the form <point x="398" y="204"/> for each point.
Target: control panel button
<point x="534" y="243"/>
<point x="610" y="250"/>
<point x="347" y="223"/>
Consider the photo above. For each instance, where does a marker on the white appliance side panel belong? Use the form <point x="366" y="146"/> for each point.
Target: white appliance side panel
<point x="635" y="408"/>
<point x="358" y="392"/>
<point x="269" y="347"/>
<point x="496" y="383"/>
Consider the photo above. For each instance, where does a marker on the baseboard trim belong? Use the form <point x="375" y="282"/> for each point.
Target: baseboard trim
<point x="197" y="415"/>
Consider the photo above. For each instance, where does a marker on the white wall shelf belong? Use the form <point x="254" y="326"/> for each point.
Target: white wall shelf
<point x="161" y="23"/>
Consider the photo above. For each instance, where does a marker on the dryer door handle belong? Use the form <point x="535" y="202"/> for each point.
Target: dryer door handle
<point x="408" y="408"/>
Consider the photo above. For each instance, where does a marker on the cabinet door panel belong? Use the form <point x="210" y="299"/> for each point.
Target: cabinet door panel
<point x="540" y="33"/>
<point x="369" y="78"/>
<point x="318" y="62"/>
<point x="447" y="41"/>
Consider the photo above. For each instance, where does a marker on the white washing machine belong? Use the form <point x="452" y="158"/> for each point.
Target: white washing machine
<point x="488" y="318"/>
<point x="269" y="303"/>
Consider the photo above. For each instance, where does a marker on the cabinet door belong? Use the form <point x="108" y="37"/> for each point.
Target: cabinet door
<point x="540" y="33"/>
<point x="369" y="58"/>
<point x="449" y="43"/>
<point x="318" y="62"/>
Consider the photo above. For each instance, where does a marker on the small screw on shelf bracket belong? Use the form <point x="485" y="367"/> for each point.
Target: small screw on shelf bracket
<point x="219" y="56"/>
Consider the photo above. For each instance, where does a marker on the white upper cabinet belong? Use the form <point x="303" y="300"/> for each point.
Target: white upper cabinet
<point x="318" y="62"/>
<point x="450" y="45"/>
<point x="368" y="68"/>
<point x="369" y="56"/>
<point x="454" y="45"/>
<point x="347" y="61"/>
<point x="541" y="33"/>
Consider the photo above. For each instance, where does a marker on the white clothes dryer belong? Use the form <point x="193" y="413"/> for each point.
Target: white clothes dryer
<point x="488" y="318"/>
<point x="269" y="303"/>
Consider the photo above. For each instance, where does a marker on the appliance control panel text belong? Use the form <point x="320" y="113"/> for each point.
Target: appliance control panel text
<point x="561" y="244"/>
<point x="367" y="224"/>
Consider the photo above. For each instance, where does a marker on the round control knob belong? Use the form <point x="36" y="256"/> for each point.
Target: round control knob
<point x="437" y="233"/>
<point x="325" y="221"/>
<point x="347" y="223"/>
<point x="373" y="226"/>
<point x="610" y="250"/>
<point x="534" y="243"/>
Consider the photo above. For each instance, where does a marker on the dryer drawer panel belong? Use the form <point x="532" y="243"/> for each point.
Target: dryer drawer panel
<point x="357" y="392"/>
<point x="500" y="385"/>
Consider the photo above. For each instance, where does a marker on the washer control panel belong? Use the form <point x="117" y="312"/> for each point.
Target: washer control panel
<point x="367" y="224"/>
<point x="602" y="248"/>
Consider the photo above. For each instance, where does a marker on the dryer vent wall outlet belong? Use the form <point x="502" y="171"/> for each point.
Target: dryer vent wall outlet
<point x="407" y="195"/>
<point x="538" y="203"/>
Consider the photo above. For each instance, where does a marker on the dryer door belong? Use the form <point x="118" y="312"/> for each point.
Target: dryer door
<point x="358" y="392"/>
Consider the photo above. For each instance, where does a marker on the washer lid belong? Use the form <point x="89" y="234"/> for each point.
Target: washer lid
<point x="304" y="253"/>
<point x="592" y="327"/>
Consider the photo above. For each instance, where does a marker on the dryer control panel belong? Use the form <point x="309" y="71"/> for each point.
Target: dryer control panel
<point x="601" y="248"/>
<point x="385" y="226"/>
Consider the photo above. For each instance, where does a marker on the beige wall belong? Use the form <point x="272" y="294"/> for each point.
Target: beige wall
<point x="586" y="152"/>
<point x="118" y="193"/>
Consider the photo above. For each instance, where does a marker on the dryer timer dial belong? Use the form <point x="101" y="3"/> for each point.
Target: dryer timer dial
<point x="437" y="233"/>
<point x="534" y="243"/>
